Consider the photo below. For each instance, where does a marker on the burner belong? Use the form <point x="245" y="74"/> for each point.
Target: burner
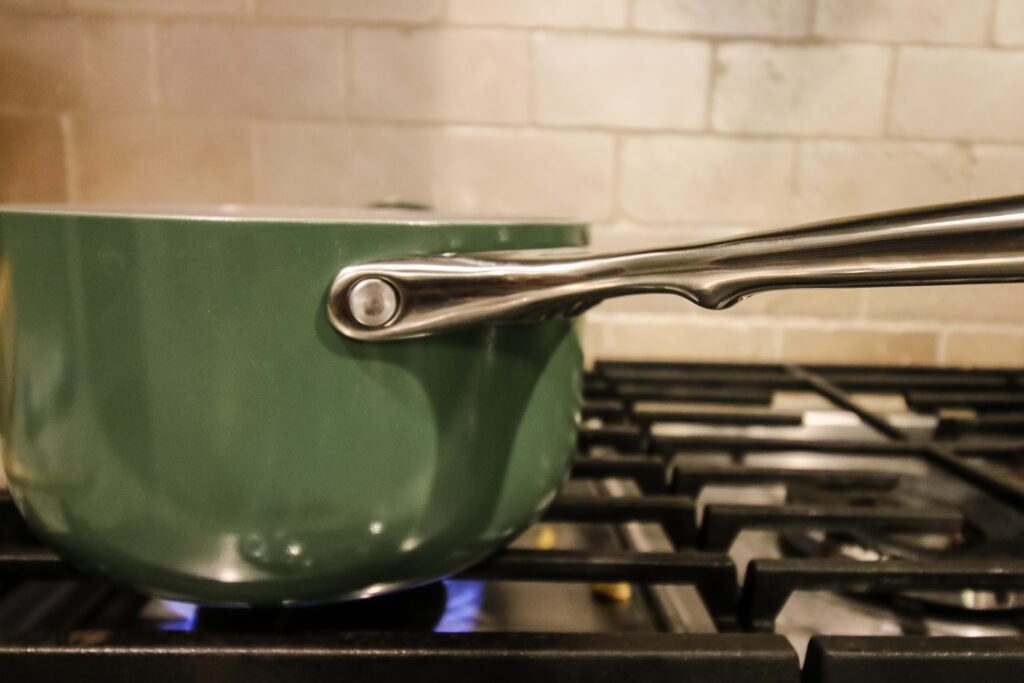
<point x="413" y="609"/>
<point x="867" y="545"/>
<point x="987" y="533"/>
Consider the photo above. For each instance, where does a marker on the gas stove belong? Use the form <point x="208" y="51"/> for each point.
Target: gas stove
<point x="722" y="522"/>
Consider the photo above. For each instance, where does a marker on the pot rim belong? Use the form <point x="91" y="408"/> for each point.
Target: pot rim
<point x="284" y="214"/>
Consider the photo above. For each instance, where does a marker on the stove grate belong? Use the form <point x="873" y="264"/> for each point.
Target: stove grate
<point x="769" y="583"/>
<point x="183" y="657"/>
<point x="678" y="431"/>
<point x="897" y="659"/>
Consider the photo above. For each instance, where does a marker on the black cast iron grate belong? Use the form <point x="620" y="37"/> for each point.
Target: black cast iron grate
<point x="73" y="626"/>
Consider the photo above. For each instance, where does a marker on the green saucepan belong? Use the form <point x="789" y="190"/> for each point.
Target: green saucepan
<point x="178" y="412"/>
<point x="230" y="408"/>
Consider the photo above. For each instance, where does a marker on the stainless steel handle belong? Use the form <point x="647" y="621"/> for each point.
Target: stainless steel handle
<point x="973" y="242"/>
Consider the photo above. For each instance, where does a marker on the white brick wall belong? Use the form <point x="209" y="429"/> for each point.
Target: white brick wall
<point x="274" y="71"/>
<point x="324" y="164"/>
<point x="567" y="13"/>
<point x="952" y="93"/>
<point x="666" y="121"/>
<point x="36" y="48"/>
<point x="725" y="17"/>
<point x="510" y="172"/>
<point x="401" y="11"/>
<point x="997" y="170"/>
<point x="116" y="64"/>
<point x="706" y="179"/>
<point x="477" y="75"/>
<point x="838" y="177"/>
<point x="1009" y="23"/>
<point x="800" y="90"/>
<point x="907" y="21"/>
<point x="207" y="7"/>
<point x="627" y="82"/>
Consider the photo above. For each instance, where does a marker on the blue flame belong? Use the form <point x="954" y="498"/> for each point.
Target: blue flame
<point x="462" y="606"/>
<point x="186" y="610"/>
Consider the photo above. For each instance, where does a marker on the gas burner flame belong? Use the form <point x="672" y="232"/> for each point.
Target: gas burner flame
<point x="186" y="613"/>
<point x="462" y="606"/>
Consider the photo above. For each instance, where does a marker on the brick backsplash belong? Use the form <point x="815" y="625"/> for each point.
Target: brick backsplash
<point x="955" y="22"/>
<point x="32" y="150"/>
<point x="663" y="121"/>
<point x="958" y="93"/>
<point x="567" y="13"/>
<point x="1009" y="23"/>
<point x="800" y="90"/>
<point x="785" y="18"/>
<point x="666" y="178"/>
<point x="342" y="164"/>
<point x="399" y="11"/>
<point x="620" y="81"/>
<point x="439" y="75"/>
<point x="134" y="159"/>
<point x="534" y="172"/>
<point x="250" y="70"/>
<point x="164" y="7"/>
<point x="41" y="63"/>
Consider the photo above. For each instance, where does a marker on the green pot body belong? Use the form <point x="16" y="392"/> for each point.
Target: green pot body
<point x="178" y="413"/>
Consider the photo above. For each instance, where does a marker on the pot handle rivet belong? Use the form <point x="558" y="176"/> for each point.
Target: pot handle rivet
<point x="372" y="302"/>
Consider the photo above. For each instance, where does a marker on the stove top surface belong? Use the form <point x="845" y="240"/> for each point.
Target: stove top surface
<point x="721" y="521"/>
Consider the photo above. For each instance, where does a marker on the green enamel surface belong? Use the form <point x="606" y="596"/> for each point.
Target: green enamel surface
<point x="178" y="413"/>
